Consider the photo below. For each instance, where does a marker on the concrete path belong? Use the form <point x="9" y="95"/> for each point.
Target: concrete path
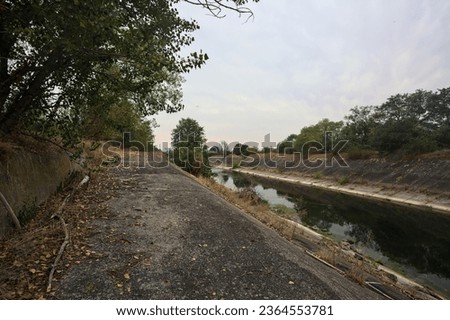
<point x="167" y="237"/>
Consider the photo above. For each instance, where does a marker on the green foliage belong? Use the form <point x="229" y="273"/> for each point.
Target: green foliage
<point x="406" y="123"/>
<point x="443" y="136"/>
<point x="189" y="151"/>
<point x="237" y="149"/>
<point x="94" y="145"/>
<point x="314" y="138"/>
<point x="287" y="145"/>
<point x="359" y="124"/>
<point x="241" y="150"/>
<point x="245" y="150"/>
<point x="406" y="135"/>
<point x="61" y="58"/>
<point x="120" y="122"/>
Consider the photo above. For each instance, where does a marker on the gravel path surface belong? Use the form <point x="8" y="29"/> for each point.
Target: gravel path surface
<point x="165" y="236"/>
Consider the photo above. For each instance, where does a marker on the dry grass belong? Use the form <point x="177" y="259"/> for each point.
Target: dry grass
<point x="440" y="154"/>
<point x="357" y="273"/>
<point x="250" y="203"/>
<point x="328" y="254"/>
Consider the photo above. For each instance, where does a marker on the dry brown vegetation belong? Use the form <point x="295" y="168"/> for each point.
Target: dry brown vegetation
<point x="248" y="201"/>
<point x="27" y="256"/>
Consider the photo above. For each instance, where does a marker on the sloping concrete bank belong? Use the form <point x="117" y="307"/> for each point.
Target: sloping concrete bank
<point x="28" y="178"/>
<point x="430" y="174"/>
<point x="431" y="201"/>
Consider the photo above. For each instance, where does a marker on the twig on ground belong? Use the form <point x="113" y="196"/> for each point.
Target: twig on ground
<point x="61" y="251"/>
<point x="58" y="215"/>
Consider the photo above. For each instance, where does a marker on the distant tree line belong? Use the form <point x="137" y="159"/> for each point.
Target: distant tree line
<point x="409" y="124"/>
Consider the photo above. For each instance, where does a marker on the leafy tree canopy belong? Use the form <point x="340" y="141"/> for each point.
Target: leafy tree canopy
<point x="189" y="149"/>
<point x="189" y="134"/>
<point x="411" y="123"/>
<point x="287" y="145"/>
<point x="59" y="58"/>
<point x="315" y="135"/>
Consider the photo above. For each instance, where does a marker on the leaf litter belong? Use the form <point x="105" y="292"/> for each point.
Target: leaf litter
<point x="27" y="255"/>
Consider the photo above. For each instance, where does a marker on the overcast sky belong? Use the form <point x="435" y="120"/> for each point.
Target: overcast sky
<point x="299" y="61"/>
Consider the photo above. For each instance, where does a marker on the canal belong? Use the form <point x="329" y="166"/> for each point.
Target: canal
<point x="413" y="242"/>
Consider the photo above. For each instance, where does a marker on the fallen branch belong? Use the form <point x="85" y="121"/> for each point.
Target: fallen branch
<point x="10" y="211"/>
<point x="61" y="251"/>
<point x="58" y="215"/>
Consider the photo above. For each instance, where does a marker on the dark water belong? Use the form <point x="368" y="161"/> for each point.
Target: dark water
<point x="410" y="241"/>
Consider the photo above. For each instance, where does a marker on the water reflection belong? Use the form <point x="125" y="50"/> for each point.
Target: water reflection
<point x="409" y="240"/>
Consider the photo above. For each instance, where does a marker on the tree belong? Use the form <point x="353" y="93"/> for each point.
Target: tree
<point x="440" y="115"/>
<point x="237" y="149"/>
<point x="405" y="134"/>
<point x="217" y="7"/>
<point x="411" y="123"/>
<point x="318" y="137"/>
<point x="61" y="58"/>
<point x="120" y="118"/>
<point x="359" y="125"/>
<point x="56" y="56"/>
<point x="287" y="145"/>
<point x="240" y="149"/>
<point x="189" y="150"/>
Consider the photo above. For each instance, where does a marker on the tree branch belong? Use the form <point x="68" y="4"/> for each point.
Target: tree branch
<point x="58" y="215"/>
<point x="215" y="7"/>
<point x="24" y="100"/>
